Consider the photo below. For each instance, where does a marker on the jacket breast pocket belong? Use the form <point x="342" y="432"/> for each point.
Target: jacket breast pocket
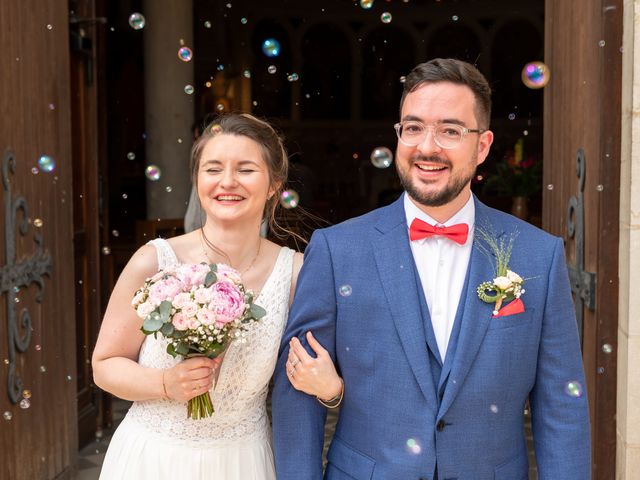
<point x="511" y="321"/>
<point x="349" y="461"/>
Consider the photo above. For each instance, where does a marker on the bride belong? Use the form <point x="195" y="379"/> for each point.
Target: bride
<point x="239" y="166"/>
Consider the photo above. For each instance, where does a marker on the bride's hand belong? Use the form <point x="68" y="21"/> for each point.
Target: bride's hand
<point x="314" y="376"/>
<point x="190" y="378"/>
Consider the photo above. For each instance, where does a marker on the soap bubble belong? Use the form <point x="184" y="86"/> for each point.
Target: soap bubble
<point x="207" y="24"/>
<point x="188" y="89"/>
<point x="46" y="163"/>
<point x="366" y="4"/>
<point x="185" y="54"/>
<point x="272" y="69"/>
<point x="131" y="156"/>
<point x="345" y="290"/>
<point x="106" y="251"/>
<point x="271" y="47"/>
<point x="386" y="17"/>
<point x="381" y="157"/>
<point x="7" y="415"/>
<point x="573" y="389"/>
<point x="535" y="75"/>
<point x="289" y="199"/>
<point x="24" y="403"/>
<point x="153" y="173"/>
<point x="137" y="21"/>
<point x="293" y="77"/>
<point x="37" y="222"/>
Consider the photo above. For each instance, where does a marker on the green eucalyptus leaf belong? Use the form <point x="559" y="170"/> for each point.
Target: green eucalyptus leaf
<point x="210" y="279"/>
<point x="171" y="350"/>
<point x="151" y="324"/>
<point x="257" y="311"/>
<point x="182" y="348"/>
<point x="164" y="310"/>
<point x="167" y="329"/>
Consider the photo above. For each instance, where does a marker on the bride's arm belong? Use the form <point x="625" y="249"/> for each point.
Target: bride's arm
<point x="115" y="366"/>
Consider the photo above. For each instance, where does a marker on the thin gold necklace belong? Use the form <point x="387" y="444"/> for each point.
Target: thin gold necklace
<point x="206" y="253"/>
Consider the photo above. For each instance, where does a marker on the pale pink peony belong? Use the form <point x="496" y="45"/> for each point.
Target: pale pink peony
<point x="192" y="274"/>
<point x="206" y="316"/>
<point x="180" y="321"/>
<point x="165" y="289"/>
<point x="227" y="302"/>
<point x="193" y="323"/>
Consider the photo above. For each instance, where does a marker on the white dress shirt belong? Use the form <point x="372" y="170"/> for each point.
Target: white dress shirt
<point x="442" y="267"/>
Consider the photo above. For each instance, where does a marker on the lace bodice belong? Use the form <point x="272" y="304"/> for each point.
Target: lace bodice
<point x="239" y="397"/>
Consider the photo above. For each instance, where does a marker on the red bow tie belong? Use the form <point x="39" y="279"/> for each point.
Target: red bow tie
<point x="419" y="229"/>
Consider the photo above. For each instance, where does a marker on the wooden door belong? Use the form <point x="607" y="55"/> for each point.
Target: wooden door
<point x="86" y="30"/>
<point x="582" y="114"/>
<point x="38" y="437"/>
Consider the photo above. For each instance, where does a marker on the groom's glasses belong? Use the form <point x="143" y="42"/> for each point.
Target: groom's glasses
<point x="446" y="135"/>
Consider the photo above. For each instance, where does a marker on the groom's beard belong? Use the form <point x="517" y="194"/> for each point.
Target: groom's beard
<point x="428" y="195"/>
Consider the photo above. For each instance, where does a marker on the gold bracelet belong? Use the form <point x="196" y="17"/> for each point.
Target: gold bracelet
<point x="164" y="387"/>
<point x="335" y="401"/>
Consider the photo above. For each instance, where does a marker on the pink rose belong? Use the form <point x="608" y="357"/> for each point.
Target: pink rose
<point x="181" y="299"/>
<point x="192" y="274"/>
<point x="227" y="302"/>
<point x="226" y="273"/>
<point x="203" y="295"/>
<point x="193" y="323"/>
<point x="179" y="321"/>
<point x="206" y="316"/>
<point x="145" y="309"/>
<point x="190" y="309"/>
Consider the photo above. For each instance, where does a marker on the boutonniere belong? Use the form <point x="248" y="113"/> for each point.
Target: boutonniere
<point x="506" y="284"/>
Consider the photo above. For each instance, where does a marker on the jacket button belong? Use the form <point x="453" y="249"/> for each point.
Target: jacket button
<point x="440" y="425"/>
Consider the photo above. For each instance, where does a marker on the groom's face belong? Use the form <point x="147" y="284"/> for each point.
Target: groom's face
<point x="432" y="175"/>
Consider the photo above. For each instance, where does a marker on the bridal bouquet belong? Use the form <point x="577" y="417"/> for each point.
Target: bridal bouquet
<point x="200" y="309"/>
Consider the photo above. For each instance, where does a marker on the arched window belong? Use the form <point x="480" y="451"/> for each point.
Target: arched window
<point x="455" y="41"/>
<point x="388" y="53"/>
<point x="325" y="85"/>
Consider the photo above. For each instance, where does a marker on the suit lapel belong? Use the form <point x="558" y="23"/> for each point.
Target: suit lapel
<point x="396" y="269"/>
<point x="476" y="315"/>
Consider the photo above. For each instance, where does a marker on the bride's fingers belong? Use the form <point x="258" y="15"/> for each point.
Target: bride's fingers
<point x="300" y="351"/>
<point x="313" y="343"/>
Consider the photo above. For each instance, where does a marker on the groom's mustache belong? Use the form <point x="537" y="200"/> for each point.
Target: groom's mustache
<point x="431" y="159"/>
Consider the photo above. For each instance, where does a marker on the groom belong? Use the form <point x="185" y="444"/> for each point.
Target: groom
<point x="436" y="378"/>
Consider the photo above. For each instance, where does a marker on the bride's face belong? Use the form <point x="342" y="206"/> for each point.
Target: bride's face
<point x="233" y="179"/>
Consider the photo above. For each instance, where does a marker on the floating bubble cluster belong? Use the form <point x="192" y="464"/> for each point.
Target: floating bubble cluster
<point x="185" y="54"/>
<point x="535" y="75"/>
<point x="137" y="21"/>
<point x="153" y="173"/>
<point x="271" y="47"/>
<point x="289" y="199"/>
<point x="381" y="157"/>
<point x="345" y="290"/>
<point x="46" y="163"/>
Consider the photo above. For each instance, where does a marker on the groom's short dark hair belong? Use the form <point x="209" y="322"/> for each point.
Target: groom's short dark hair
<point x="454" y="71"/>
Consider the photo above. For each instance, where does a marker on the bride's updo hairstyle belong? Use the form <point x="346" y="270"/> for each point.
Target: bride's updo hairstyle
<point x="273" y="153"/>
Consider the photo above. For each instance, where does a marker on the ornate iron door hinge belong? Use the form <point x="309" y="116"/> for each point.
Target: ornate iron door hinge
<point x="583" y="283"/>
<point x="14" y="275"/>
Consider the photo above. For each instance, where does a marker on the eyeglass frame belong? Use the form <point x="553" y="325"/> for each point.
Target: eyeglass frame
<point x="398" y="126"/>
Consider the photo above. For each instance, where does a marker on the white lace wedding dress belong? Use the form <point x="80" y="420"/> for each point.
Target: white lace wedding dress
<point x="156" y="440"/>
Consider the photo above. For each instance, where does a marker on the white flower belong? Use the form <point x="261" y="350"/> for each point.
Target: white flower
<point x="514" y="277"/>
<point x="145" y="309"/>
<point x="502" y="283"/>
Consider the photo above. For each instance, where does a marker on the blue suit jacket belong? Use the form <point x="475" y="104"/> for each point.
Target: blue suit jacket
<point x="394" y="422"/>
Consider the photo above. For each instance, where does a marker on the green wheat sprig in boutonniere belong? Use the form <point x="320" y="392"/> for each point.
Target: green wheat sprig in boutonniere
<point x="506" y="284"/>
